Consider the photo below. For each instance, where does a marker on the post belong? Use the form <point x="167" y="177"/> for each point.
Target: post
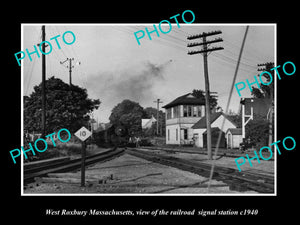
<point x="243" y="120"/>
<point x="83" y="151"/>
<point x="207" y="106"/>
<point x="270" y="141"/>
<point x="70" y="71"/>
<point x="70" y="68"/>
<point x="157" y="116"/>
<point x="43" y="84"/>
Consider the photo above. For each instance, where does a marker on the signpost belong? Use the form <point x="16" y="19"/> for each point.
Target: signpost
<point x="83" y="134"/>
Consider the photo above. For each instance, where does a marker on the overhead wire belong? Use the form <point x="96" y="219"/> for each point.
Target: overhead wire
<point x="32" y="64"/>
<point x="227" y="107"/>
<point x="163" y="40"/>
<point x="227" y="58"/>
<point x="234" y="60"/>
<point x="229" y="64"/>
<point x="62" y="50"/>
<point x="249" y="54"/>
<point x="249" y="60"/>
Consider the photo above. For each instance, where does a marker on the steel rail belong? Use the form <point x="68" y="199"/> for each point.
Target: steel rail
<point x="70" y="165"/>
<point x="240" y="181"/>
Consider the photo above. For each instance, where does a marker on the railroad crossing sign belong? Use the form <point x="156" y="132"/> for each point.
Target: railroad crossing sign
<point x="83" y="134"/>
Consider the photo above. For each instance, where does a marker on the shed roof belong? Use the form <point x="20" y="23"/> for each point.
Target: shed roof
<point x="235" y="131"/>
<point x="201" y="124"/>
<point x="213" y="129"/>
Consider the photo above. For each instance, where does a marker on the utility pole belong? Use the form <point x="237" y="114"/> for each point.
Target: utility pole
<point x="204" y="53"/>
<point x="43" y="84"/>
<point x="70" y="68"/>
<point x="267" y="67"/>
<point x="157" y="115"/>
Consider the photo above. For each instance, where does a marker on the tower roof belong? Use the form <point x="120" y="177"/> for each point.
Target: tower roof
<point x="187" y="99"/>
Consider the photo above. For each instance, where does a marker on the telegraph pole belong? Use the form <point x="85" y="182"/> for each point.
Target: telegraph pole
<point x="204" y="53"/>
<point x="157" y="115"/>
<point x="70" y="71"/>
<point x="43" y="84"/>
<point x="70" y="68"/>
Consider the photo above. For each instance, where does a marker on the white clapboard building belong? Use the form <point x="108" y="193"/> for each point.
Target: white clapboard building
<point x="181" y="115"/>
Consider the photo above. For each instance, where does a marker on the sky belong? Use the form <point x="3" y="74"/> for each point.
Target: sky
<point x="113" y="67"/>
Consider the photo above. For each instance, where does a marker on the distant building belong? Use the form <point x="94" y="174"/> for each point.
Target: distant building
<point x="31" y="137"/>
<point x="147" y="123"/>
<point x="102" y="127"/>
<point x="181" y="115"/>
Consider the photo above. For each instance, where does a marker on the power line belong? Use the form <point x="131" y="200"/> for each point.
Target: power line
<point x="62" y="49"/>
<point x="234" y="60"/>
<point x="230" y="64"/>
<point x="163" y="39"/>
<point x="29" y="71"/>
<point x="245" y="58"/>
<point x="247" y="52"/>
<point x="249" y="60"/>
<point x="30" y="75"/>
<point x="227" y="105"/>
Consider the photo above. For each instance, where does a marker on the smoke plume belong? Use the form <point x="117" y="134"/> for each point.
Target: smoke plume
<point x="136" y="84"/>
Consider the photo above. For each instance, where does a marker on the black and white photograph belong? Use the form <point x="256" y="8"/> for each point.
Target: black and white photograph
<point x="145" y="112"/>
<point x="144" y="109"/>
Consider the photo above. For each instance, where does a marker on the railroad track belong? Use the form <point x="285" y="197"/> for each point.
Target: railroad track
<point x="231" y="154"/>
<point x="69" y="165"/>
<point x="239" y="181"/>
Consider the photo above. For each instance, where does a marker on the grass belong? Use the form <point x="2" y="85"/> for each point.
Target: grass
<point x="62" y="149"/>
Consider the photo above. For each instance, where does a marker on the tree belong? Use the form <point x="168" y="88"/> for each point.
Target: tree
<point x="265" y="91"/>
<point x="66" y="107"/>
<point x="213" y="100"/>
<point x="257" y="131"/>
<point x="128" y="114"/>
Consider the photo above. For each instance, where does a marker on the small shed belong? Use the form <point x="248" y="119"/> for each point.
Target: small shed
<point x="216" y="120"/>
<point x="234" y="137"/>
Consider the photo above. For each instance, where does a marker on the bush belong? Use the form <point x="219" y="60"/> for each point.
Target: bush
<point x="258" y="130"/>
<point x="69" y="148"/>
<point x="145" y="142"/>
